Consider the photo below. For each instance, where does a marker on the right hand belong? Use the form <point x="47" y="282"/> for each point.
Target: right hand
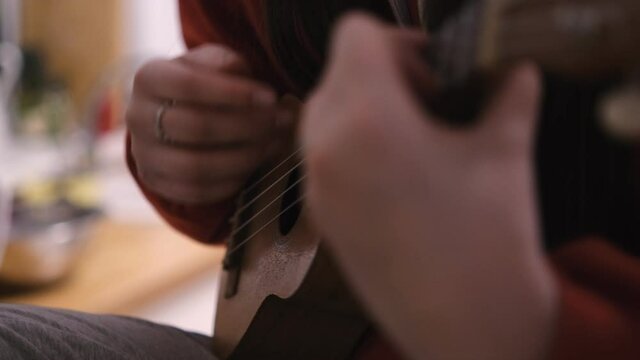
<point x="222" y="125"/>
<point x="444" y="216"/>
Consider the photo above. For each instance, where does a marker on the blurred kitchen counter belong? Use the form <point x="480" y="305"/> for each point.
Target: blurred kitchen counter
<point x="125" y="267"/>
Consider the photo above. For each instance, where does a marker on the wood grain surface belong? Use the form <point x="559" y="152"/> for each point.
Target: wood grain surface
<point x="124" y="267"/>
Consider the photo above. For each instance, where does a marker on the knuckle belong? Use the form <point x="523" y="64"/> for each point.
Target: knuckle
<point x="208" y="49"/>
<point x="216" y="58"/>
<point x="218" y="54"/>
<point x="187" y="84"/>
<point x="224" y="56"/>
<point x="147" y="72"/>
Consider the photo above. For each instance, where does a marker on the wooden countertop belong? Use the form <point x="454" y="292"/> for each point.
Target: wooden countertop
<point x="124" y="267"/>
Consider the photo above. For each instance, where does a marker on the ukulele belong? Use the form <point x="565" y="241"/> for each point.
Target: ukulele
<point x="282" y="296"/>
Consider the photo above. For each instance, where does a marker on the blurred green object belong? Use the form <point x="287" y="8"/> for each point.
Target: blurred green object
<point x="45" y="107"/>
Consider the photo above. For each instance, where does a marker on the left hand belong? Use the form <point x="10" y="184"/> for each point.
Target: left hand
<point x="436" y="227"/>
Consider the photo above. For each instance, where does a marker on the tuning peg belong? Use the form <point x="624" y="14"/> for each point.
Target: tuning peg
<point x="620" y="113"/>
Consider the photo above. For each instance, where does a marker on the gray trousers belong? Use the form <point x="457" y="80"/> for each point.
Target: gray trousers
<point x="37" y="333"/>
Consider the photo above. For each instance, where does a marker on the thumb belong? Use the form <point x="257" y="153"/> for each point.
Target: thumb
<point x="510" y="118"/>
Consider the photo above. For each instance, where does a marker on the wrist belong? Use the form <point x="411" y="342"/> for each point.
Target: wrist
<point x="492" y="316"/>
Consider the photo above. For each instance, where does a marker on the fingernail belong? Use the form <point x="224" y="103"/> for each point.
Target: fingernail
<point x="264" y="98"/>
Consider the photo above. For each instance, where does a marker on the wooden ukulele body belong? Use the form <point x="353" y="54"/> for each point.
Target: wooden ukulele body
<point x="290" y="301"/>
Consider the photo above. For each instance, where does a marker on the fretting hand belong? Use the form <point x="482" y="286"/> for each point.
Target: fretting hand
<point x="200" y="125"/>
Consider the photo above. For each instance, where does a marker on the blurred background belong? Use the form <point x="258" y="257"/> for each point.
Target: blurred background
<point x="75" y="232"/>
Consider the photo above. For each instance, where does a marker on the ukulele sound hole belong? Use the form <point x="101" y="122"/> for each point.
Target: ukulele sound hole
<point x="290" y="209"/>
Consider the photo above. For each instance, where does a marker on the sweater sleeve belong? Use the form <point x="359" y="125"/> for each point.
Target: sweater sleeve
<point x="599" y="315"/>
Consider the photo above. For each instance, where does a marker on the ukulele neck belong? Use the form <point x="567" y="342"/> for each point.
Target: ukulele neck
<point x="578" y="38"/>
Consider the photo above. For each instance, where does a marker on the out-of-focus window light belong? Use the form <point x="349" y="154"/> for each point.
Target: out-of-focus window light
<point x="10" y="20"/>
<point x="152" y="28"/>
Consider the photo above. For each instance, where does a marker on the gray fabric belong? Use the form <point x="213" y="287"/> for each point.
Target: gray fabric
<point x="37" y="333"/>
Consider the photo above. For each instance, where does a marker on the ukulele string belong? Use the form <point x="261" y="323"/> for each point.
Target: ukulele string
<point x="278" y="197"/>
<point x="251" y="187"/>
<point x="281" y="178"/>
<point x="262" y="193"/>
<point x="258" y="231"/>
<point x="255" y="184"/>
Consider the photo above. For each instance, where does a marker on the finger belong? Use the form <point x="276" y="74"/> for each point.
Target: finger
<point x="364" y="46"/>
<point x="510" y="118"/>
<point x="216" y="58"/>
<point x="191" y="194"/>
<point x="175" y="177"/>
<point x="349" y="110"/>
<point x="173" y="80"/>
<point x="361" y="56"/>
<point x="356" y="38"/>
<point x="217" y="128"/>
<point x="199" y="126"/>
<point x="194" y="166"/>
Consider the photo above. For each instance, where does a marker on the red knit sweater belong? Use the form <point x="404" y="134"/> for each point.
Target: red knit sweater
<point x="600" y="285"/>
